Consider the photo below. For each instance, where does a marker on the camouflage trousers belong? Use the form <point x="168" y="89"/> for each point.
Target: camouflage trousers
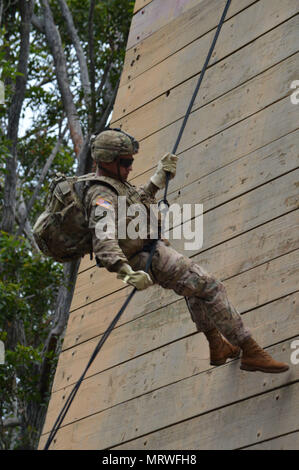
<point x="205" y="295"/>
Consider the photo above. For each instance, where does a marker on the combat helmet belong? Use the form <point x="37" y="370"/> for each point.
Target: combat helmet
<point x="110" y="144"/>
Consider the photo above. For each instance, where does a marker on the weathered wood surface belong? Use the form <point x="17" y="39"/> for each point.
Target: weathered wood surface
<point x="239" y="139"/>
<point x="236" y="426"/>
<point x="236" y="33"/>
<point x="155" y="16"/>
<point x="196" y="395"/>
<point x="287" y="442"/>
<point x="199" y="18"/>
<point x="141" y="4"/>
<point x="168" y="361"/>
<point x="264" y="283"/>
<point x="222" y="78"/>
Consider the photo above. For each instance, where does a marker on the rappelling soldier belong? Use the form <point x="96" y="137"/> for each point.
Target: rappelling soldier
<point x="213" y="314"/>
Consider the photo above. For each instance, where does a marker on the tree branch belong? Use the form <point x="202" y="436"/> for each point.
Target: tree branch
<point x="91" y="62"/>
<point x="14" y="112"/>
<point x="63" y="303"/>
<point x="102" y="123"/>
<point x="12" y="422"/>
<point x="55" y="44"/>
<point x="38" y="23"/>
<point x="26" y="211"/>
<point x="27" y="229"/>
<point x="104" y="78"/>
<point x="79" y="51"/>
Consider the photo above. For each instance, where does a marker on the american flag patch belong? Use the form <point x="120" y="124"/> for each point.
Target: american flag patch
<point x="104" y="203"/>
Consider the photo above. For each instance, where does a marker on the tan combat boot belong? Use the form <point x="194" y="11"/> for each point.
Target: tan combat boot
<point x="254" y="358"/>
<point x="220" y="349"/>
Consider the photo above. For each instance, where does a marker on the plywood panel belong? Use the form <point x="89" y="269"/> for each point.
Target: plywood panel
<point x="171" y="362"/>
<point x="155" y="16"/>
<point x="244" y="290"/>
<point x="238" y="140"/>
<point x="226" y="75"/>
<point x="177" y="33"/>
<point x="287" y="442"/>
<point x="185" y="399"/>
<point x="141" y="4"/>
<point x="236" y="33"/>
<point x="239" y="425"/>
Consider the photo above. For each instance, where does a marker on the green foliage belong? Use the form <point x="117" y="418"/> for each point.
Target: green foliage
<point x="28" y="287"/>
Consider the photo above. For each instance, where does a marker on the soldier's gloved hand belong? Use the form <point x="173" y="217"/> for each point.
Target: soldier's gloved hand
<point x="139" y="279"/>
<point x="167" y="163"/>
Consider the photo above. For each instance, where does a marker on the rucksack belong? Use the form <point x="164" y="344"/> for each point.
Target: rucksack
<point x="61" y="231"/>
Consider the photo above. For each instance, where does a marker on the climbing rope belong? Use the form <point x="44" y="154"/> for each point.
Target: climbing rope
<point x="75" y="389"/>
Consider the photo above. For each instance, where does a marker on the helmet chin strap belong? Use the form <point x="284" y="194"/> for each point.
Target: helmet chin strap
<point x="109" y="173"/>
<point x="118" y="169"/>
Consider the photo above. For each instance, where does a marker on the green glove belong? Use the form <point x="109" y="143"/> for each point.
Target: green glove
<point x="167" y="163"/>
<point x="139" y="279"/>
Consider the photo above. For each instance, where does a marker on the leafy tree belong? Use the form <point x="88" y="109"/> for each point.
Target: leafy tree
<point x="60" y="62"/>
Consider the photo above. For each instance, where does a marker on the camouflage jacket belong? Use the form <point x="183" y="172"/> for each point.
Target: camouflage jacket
<point x="101" y="200"/>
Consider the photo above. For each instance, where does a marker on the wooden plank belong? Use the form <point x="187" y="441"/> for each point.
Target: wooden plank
<point x="239" y="425"/>
<point x="226" y="75"/>
<point x="141" y="4"/>
<point x="236" y="33"/>
<point x="177" y="32"/>
<point x="228" y="182"/>
<point x="155" y="16"/>
<point x="180" y="401"/>
<point x="287" y="442"/>
<point x="268" y="284"/>
<point x="241" y="176"/>
<point x="269" y="324"/>
<point x="240" y="139"/>
<point x="94" y="283"/>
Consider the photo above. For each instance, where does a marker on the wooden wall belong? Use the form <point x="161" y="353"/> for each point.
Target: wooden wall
<point x="152" y="387"/>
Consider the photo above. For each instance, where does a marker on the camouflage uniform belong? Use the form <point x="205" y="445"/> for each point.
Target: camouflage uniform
<point x="206" y="296"/>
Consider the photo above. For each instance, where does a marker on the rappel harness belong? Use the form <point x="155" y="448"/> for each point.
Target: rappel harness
<point x="69" y="400"/>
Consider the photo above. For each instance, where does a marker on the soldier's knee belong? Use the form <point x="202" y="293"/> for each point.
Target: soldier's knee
<point x="213" y="287"/>
<point x="193" y="282"/>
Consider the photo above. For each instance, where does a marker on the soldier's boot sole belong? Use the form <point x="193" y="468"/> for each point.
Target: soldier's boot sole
<point x="266" y="370"/>
<point x="256" y="359"/>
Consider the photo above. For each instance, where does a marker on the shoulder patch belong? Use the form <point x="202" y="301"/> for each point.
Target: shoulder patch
<point x="100" y="201"/>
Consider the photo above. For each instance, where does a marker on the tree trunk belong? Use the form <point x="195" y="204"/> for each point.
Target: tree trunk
<point x="79" y="51"/>
<point x="55" y="44"/>
<point x="14" y="112"/>
<point x="36" y="414"/>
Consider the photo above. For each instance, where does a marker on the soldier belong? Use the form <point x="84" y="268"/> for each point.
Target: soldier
<point x="206" y="297"/>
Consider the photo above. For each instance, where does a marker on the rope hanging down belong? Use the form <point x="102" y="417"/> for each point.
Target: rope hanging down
<point x="71" y="396"/>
